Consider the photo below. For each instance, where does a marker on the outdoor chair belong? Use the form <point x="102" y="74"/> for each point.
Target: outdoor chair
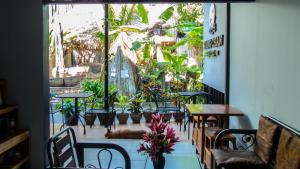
<point x="258" y="150"/>
<point x="163" y="102"/>
<point x="65" y="152"/>
<point x="105" y="116"/>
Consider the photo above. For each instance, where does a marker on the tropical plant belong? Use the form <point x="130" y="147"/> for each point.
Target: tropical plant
<point x="122" y="102"/>
<point x="136" y="104"/>
<point x="68" y="106"/>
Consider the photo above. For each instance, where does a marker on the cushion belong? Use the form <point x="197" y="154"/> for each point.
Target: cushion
<point x="288" y="152"/>
<point x="125" y="134"/>
<point x="266" y="132"/>
<point x="236" y="159"/>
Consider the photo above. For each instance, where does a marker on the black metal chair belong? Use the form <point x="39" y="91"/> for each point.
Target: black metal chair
<point x="164" y="104"/>
<point x="65" y="152"/>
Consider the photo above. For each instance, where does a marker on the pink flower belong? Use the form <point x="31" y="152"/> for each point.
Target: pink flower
<point x="142" y="148"/>
<point x="160" y="140"/>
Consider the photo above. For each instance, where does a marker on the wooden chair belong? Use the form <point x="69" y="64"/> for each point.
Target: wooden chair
<point x="65" y="152"/>
<point x="263" y="140"/>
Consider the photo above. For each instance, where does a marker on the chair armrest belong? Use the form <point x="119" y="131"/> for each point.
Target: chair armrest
<point x="246" y="132"/>
<point x="80" y="146"/>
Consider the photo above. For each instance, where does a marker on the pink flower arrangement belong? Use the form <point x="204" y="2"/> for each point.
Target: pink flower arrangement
<point x="160" y="140"/>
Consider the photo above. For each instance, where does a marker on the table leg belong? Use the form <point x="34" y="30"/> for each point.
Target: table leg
<point x="225" y="122"/>
<point x="188" y="128"/>
<point x="77" y="113"/>
<point x="202" y="138"/>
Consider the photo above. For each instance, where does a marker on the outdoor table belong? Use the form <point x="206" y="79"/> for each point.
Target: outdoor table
<point x="205" y="110"/>
<point x="75" y="96"/>
<point x="177" y="162"/>
<point x="190" y="94"/>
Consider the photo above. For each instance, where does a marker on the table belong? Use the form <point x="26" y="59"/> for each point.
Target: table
<point x="177" y="162"/>
<point x="193" y="94"/>
<point x="187" y="95"/>
<point x="75" y="96"/>
<point x="222" y="112"/>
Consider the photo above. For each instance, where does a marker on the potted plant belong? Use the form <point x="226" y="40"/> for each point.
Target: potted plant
<point x="68" y="109"/>
<point x="158" y="141"/>
<point x="148" y="113"/>
<point x="94" y="102"/>
<point x="136" y="108"/>
<point x="123" y="103"/>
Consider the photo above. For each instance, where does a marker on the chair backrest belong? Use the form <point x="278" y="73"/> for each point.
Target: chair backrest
<point x="266" y="138"/>
<point x="61" y="150"/>
<point x="64" y="151"/>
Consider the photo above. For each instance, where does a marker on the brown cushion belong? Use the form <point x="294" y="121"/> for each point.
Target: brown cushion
<point x="266" y="132"/>
<point x="288" y="152"/>
<point x="236" y="159"/>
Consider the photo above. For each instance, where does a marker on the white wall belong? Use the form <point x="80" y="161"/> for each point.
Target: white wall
<point x="265" y="61"/>
<point x="214" y="68"/>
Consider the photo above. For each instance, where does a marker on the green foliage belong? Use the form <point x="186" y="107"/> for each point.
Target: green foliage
<point x="143" y="13"/>
<point x="122" y="102"/>
<point x="94" y="86"/>
<point x="167" y="14"/>
<point x="147" y="50"/>
<point x="136" y="103"/>
<point x="136" y="45"/>
<point x="190" y="12"/>
<point x="68" y="106"/>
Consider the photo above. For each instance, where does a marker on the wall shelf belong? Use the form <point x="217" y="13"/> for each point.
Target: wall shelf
<point x="16" y="165"/>
<point x="13" y="140"/>
<point x="7" y="109"/>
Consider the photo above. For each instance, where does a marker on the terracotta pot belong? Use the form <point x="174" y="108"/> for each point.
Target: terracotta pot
<point x="136" y="117"/>
<point x="71" y="119"/>
<point x="111" y="118"/>
<point x="166" y="117"/>
<point x="123" y="117"/>
<point x="90" y="119"/>
<point x="148" y="115"/>
<point x="178" y="117"/>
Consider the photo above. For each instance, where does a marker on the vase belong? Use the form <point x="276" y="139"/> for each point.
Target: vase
<point x="159" y="163"/>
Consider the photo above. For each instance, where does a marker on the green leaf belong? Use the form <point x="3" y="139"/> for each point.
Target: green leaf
<point x="167" y="14"/>
<point x="136" y="45"/>
<point x="130" y="14"/>
<point x="129" y="29"/>
<point x="122" y="15"/>
<point x="143" y="13"/>
<point x="147" y="51"/>
<point x="167" y="56"/>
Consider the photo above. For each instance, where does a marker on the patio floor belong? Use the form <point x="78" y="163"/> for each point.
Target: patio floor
<point x="97" y="132"/>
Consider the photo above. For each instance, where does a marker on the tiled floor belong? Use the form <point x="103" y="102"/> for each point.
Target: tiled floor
<point x="97" y="132"/>
<point x="184" y="152"/>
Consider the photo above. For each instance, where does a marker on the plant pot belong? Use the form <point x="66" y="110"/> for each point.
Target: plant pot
<point x="71" y="119"/>
<point x="136" y="117"/>
<point x="166" y="117"/>
<point x="159" y="163"/>
<point x="148" y="115"/>
<point x="90" y="119"/>
<point x="111" y="118"/>
<point x="123" y="117"/>
<point x="178" y="117"/>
